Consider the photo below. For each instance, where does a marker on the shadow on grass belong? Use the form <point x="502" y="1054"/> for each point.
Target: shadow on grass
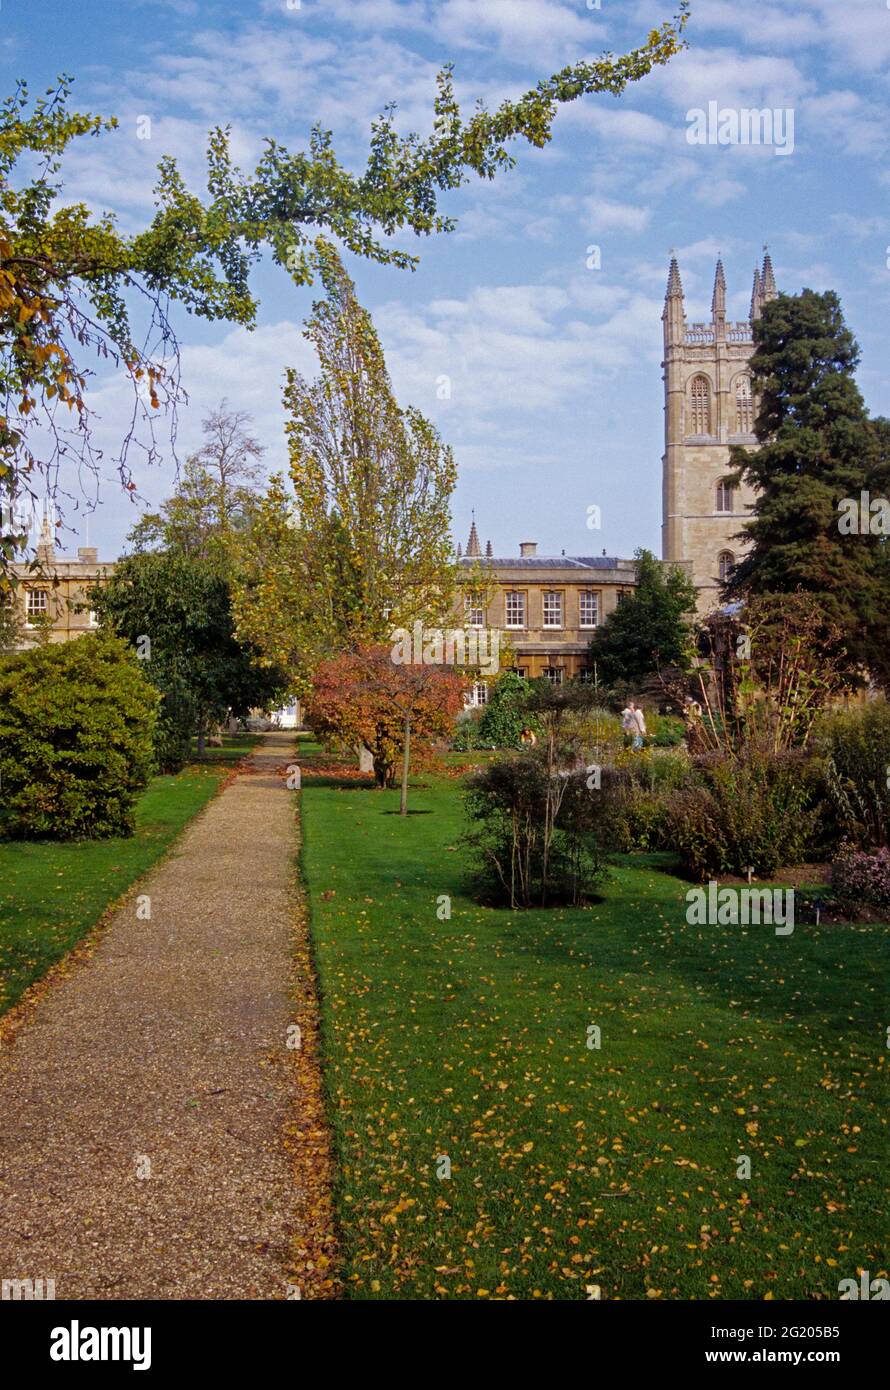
<point x="793" y="980"/>
<point x="341" y="784"/>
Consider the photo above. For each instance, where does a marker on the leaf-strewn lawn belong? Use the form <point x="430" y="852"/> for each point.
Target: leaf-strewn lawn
<point x="51" y="894"/>
<point x="466" y="1039"/>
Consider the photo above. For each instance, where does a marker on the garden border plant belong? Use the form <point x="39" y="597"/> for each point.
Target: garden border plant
<point x="76" y="725"/>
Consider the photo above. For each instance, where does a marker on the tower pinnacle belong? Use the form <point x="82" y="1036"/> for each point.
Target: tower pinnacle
<point x="675" y="284"/>
<point x="674" y="315"/>
<point x="756" y="296"/>
<point x="718" y="300"/>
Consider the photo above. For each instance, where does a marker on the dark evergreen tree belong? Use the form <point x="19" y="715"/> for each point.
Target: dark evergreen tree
<point x="818" y="450"/>
<point x="650" y="630"/>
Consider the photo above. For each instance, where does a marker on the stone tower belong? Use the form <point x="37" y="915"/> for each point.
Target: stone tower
<point x="708" y="405"/>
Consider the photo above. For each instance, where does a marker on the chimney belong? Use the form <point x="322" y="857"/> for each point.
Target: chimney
<point x="87" y="555"/>
<point x="527" y="548"/>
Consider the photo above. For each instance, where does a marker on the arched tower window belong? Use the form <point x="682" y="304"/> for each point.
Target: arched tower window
<point x="725" y="562"/>
<point x="700" y="405"/>
<point x="744" y="406"/>
<point x="724" y="498"/>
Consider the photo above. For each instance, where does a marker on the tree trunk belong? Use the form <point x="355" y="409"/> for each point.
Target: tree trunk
<point x="202" y="739"/>
<point x="406" y="760"/>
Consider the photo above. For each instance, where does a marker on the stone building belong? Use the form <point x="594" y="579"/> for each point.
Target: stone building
<point x="708" y="406"/>
<point x="546" y="606"/>
<point x="50" y="597"/>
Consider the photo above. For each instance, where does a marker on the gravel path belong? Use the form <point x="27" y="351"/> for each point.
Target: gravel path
<point x="166" y="1054"/>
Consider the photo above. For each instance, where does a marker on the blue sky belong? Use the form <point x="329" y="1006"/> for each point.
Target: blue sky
<point x="556" y="394"/>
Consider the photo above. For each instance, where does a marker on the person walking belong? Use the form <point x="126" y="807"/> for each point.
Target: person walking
<point x="629" y="723"/>
<point x="639" y="731"/>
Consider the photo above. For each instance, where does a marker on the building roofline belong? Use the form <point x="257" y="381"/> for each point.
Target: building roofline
<point x="550" y="562"/>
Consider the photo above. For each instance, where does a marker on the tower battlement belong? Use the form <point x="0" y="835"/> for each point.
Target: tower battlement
<point x="704" y="333"/>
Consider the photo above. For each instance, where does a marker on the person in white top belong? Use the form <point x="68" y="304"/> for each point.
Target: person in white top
<point x="633" y="722"/>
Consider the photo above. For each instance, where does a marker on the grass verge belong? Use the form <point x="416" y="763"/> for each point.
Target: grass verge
<point x="460" y="1044"/>
<point x="51" y="894"/>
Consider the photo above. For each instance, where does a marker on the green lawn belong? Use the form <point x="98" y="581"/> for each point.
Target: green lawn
<point x="570" y="1166"/>
<point x="51" y="894"/>
<point x="234" y="748"/>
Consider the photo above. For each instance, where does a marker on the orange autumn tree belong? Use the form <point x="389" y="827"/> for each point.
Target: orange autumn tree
<point x="364" y="697"/>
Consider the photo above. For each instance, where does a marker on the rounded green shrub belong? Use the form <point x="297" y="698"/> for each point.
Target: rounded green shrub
<point x="505" y="716"/>
<point x="641" y="821"/>
<point x="76" y="724"/>
<point x="748" y="811"/>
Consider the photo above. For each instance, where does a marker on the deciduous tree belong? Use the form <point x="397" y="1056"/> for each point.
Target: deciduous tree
<point x="368" y="527"/>
<point x="176" y="612"/>
<point x="364" y="697"/>
<point x="215" y="495"/>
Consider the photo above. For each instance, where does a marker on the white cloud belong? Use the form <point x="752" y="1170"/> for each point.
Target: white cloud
<point x="859" y="228"/>
<point x="730" y="77"/>
<point x="531" y="338"/>
<point x="716" y="193"/>
<point x="842" y="32"/>
<point x="535" y="30"/>
<point x="602" y="214"/>
<point x="511" y="352"/>
<point x="618" y="126"/>
<point x="844" y="121"/>
<point x="774" y="23"/>
<point x="519" y="31"/>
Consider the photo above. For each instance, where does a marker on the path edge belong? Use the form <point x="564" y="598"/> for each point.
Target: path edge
<point x="316" y="1262"/>
<point x="82" y="952"/>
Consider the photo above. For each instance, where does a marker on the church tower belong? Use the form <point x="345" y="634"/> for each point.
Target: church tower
<point x="708" y="406"/>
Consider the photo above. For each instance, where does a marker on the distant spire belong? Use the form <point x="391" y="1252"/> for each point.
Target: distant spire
<point x="459" y="551"/>
<point x="488" y="550"/>
<point x="46" y="545"/>
<point x="768" y="279"/>
<point x="473" y="546"/>
<point x="675" y="284"/>
<point x="718" y="299"/>
<point x="756" y="296"/>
